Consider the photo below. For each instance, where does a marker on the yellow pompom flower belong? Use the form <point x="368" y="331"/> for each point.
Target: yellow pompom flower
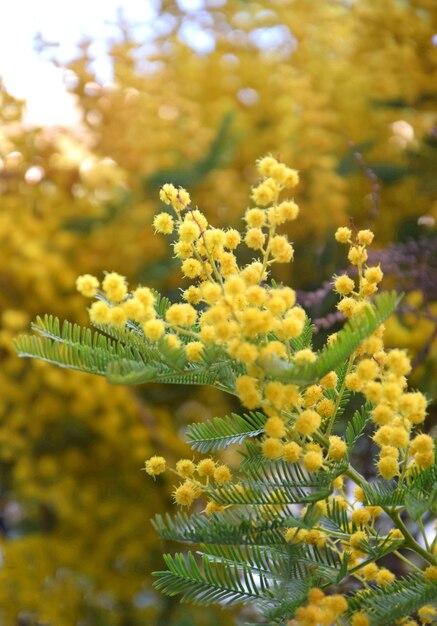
<point x="347" y="306"/>
<point x="373" y="274"/>
<point x="275" y="427"/>
<point x="185" y="468"/>
<point x="266" y="164"/>
<point x="360" y="619"/>
<point x="232" y="239"/>
<point x="357" y="255"/>
<point x="181" y="315"/>
<point x="337" y="448"/>
<point x="117" y="316"/>
<point x="369" y="571"/>
<point x="255" y="218"/>
<point x="134" y="309"/>
<point x="307" y="422"/>
<point x="426" y="614"/>
<point x="213" y="507"/>
<point x="343" y="234"/>
<point x="115" y="287"/>
<point x="186" y="493"/>
<point x="188" y="231"/>
<point x="222" y="474"/>
<point x="291" y="452"/>
<point x="365" y="237"/>
<point x="304" y="356"/>
<point x="153" y="329"/>
<point x="265" y="193"/>
<point x="272" y="448"/>
<point x="367" y="370"/>
<point x="357" y="538"/>
<point x="312" y="395"/>
<point x="255" y="239"/>
<point x="313" y="460"/>
<point x="329" y="381"/>
<point x="326" y="407"/>
<point x="145" y="296"/>
<point x="344" y="285"/>
<point x="163" y="223"/>
<point x="280" y="249"/>
<point x="286" y="211"/>
<point x="206" y="468"/>
<point x="388" y="467"/>
<point x="99" y="312"/>
<point x="155" y="465"/>
<point x="398" y="362"/>
<point x="183" y="250"/>
<point x="192" y="295"/>
<point x="194" y="351"/>
<point x="384" y="577"/>
<point x="191" y="268"/>
<point x="168" y="193"/>
<point x="360" y="516"/>
<point x="87" y="285"/>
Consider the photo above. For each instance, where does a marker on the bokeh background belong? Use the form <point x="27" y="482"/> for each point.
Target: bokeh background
<point x="100" y="104"/>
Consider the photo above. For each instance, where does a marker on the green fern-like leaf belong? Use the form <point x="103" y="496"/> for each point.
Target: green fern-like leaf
<point x="214" y="582"/>
<point x="358" y="328"/>
<point x="385" y="605"/>
<point x="221" y="432"/>
<point x="421" y="494"/>
<point x="357" y="425"/>
<point x="384" y="493"/>
<point x="233" y="526"/>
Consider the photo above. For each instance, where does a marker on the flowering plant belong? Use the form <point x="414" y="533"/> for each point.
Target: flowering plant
<point x="297" y="530"/>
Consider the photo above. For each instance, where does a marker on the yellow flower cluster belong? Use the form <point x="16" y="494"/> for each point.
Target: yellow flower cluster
<point x="321" y="608"/>
<point x="192" y="488"/>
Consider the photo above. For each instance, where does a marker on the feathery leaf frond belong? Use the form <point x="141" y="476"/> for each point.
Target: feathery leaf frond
<point x="221" y="432"/>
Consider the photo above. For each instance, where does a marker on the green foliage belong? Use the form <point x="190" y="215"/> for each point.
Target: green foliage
<point x="386" y="604"/>
<point x="222" y="432"/>
<point x="348" y="339"/>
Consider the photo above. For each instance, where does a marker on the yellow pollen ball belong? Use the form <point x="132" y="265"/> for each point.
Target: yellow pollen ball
<point x="153" y="329"/>
<point x="194" y="351"/>
<point x="291" y="452"/>
<point x="155" y="465"/>
<point x="329" y="381"/>
<point x="185" y="468"/>
<point x="163" y="223"/>
<point x="373" y="274"/>
<point x="275" y="427"/>
<point x="360" y="619"/>
<point x="307" y="422"/>
<point x="191" y="268"/>
<point x="114" y="286"/>
<point x="99" y="312"/>
<point x="360" y="516"/>
<point x="222" y="474"/>
<point x="87" y="285"/>
<point x="232" y="239"/>
<point x="185" y="494"/>
<point x="388" y="467"/>
<point x="272" y="448"/>
<point x="206" y="467"/>
<point x="343" y="234"/>
<point x="254" y="239"/>
<point x="255" y="218"/>
<point x="337" y="448"/>
<point x="344" y="285"/>
<point x="313" y="461"/>
<point x="117" y="316"/>
<point x="365" y="237"/>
